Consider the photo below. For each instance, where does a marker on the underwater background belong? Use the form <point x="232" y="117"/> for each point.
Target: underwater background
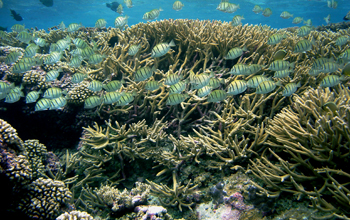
<point x="154" y="110"/>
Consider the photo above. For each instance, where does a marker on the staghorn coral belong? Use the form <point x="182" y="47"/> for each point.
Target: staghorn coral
<point x="311" y="145"/>
<point x="45" y="199"/>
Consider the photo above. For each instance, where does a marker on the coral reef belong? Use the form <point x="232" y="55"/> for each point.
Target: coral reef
<point x="78" y="215"/>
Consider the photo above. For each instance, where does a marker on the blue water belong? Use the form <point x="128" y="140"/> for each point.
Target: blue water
<point x="88" y="11"/>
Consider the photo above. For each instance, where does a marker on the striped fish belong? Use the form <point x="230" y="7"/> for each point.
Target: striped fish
<point x="281" y="65"/>
<point x="267" y="86"/>
<point x="237" y="20"/>
<point x="133" y="49"/>
<point x="172" y="79"/>
<point x="24" y="37"/>
<point x="128" y="3"/>
<point x="329" y="67"/>
<point x="201" y="80"/>
<point x="52" y="75"/>
<point x="21" y="67"/>
<point x="78" y="77"/>
<point x="13" y="97"/>
<point x="73" y="27"/>
<point x="32" y="96"/>
<point x="42" y="104"/>
<point x="126" y="98"/>
<point x="144" y="73"/>
<point x="53" y="58"/>
<point x="95" y="59"/>
<point x="152" y="85"/>
<point x="80" y="43"/>
<point x="240" y="69"/>
<point x="175" y="99"/>
<point x="121" y="21"/>
<point x="30" y="61"/>
<point x="204" y="91"/>
<point x="76" y="52"/>
<point x="256" y="80"/>
<point x="237" y="87"/>
<point x="235" y="53"/>
<point x="314" y="72"/>
<point x="254" y="68"/>
<point x="18" y="28"/>
<point x="345" y="55"/>
<point x="276" y="38"/>
<point x="63" y="44"/>
<point x="282" y="73"/>
<point x="304" y="31"/>
<point x="100" y="23"/>
<point x="340" y="41"/>
<point x="40" y="42"/>
<point x="58" y="103"/>
<point x="153" y="14"/>
<point x="5" y="87"/>
<point x="113" y="85"/>
<point x="178" y="87"/>
<point x="331" y="80"/>
<point x="112" y="97"/>
<point x="290" y="88"/>
<point x="30" y="51"/>
<point x="52" y="93"/>
<point x="92" y="102"/>
<point x="95" y="86"/>
<point x="177" y="6"/>
<point x="303" y="46"/>
<point x="87" y="52"/>
<point x="75" y="61"/>
<point x="161" y="49"/>
<point x="214" y="83"/>
<point x="318" y="63"/>
<point x="217" y="96"/>
<point x="12" y="57"/>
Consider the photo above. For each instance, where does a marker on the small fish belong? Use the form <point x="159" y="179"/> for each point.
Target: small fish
<point x="257" y="9"/>
<point x="347" y="16"/>
<point x="297" y="20"/>
<point x="121" y="21"/>
<point x="30" y="51"/>
<point x="100" y="23"/>
<point x="340" y="41"/>
<point x="346" y="70"/>
<point x="52" y="93"/>
<point x="332" y="4"/>
<point x="126" y="98"/>
<point x="256" y="80"/>
<point x="18" y="28"/>
<point x="201" y="80"/>
<point x="178" y="87"/>
<point x="177" y="6"/>
<point x="227" y="7"/>
<point x="62" y="26"/>
<point x="76" y="52"/>
<point x="330" y="106"/>
<point x="57" y="103"/>
<point x="217" y="96"/>
<point x="282" y="73"/>
<point x="237" y="87"/>
<point x="92" y="102"/>
<point x="16" y="16"/>
<point x="286" y="15"/>
<point x="267" y="12"/>
<point x="128" y="3"/>
<point x="237" y="20"/>
<point x="5" y="87"/>
<point x="143" y="73"/>
<point x="254" y="68"/>
<point x="133" y="49"/>
<point x="314" y="72"/>
<point x="214" y="83"/>
<point x="75" y="61"/>
<point x="240" y="69"/>
<point x="276" y="38"/>
<point x="111" y="97"/>
<point x="80" y="43"/>
<point x="120" y="10"/>
<point x="161" y="49"/>
<point x="331" y="80"/>
<point x="267" y="86"/>
<point x="95" y="86"/>
<point x="204" y="91"/>
<point x="12" y="57"/>
<point x="32" y="97"/>
<point x="53" y="58"/>
<point x="21" y="67"/>
<point x="96" y="59"/>
<point x="281" y="65"/>
<point x="345" y="55"/>
<point x="24" y="37"/>
<point x="327" y="19"/>
<point x="235" y="53"/>
<point x="176" y="99"/>
<point x="113" y="6"/>
<point x="73" y="27"/>
<point x="63" y="44"/>
<point x="304" y="31"/>
<point x="308" y="22"/>
<point x="40" y="42"/>
<point x="329" y="67"/>
<point x="279" y="55"/>
<point x="13" y="97"/>
<point x="113" y="85"/>
<point x="153" y="14"/>
<point x="318" y="63"/>
<point x="42" y="104"/>
<point x="172" y="79"/>
<point x="52" y="75"/>
<point x="303" y="45"/>
<point x="152" y="85"/>
<point x="87" y="52"/>
<point x="78" y="77"/>
<point x="290" y="88"/>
